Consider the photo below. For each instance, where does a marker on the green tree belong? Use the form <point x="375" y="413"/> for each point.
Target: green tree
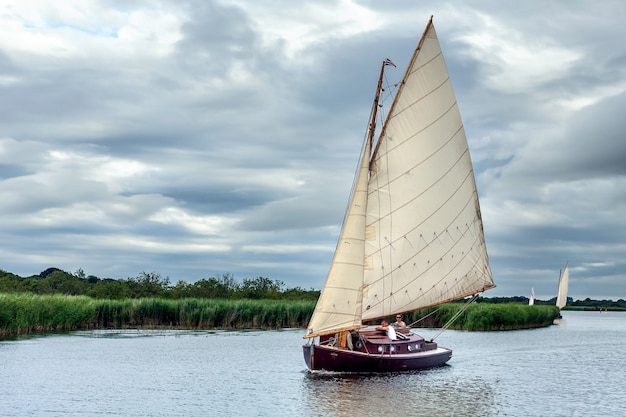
<point x="10" y="282"/>
<point x="110" y="289"/>
<point x="261" y="287"/>
<point x="148" y="284"/>
<point x="61" y="282"/>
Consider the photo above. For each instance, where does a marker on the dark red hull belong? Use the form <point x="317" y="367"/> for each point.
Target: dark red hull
<point x="373" y="353"/>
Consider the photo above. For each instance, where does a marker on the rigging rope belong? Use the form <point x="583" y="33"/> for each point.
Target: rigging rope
<point x="454" y="317"/>
<point x="423" y="318"/>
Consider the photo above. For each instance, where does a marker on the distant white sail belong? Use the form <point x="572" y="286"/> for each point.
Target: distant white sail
<point x="531" y="300"/>
<point x="561" y="297"/>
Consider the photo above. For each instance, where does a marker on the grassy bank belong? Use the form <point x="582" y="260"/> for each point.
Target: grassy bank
<point x="487" y="317"/>
<point x="27" y="313"/>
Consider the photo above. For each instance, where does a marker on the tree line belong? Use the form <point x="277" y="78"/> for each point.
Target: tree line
<point x="150" y="285"/>
<point x="153" y="285"/>
<point x="586" y="304"/>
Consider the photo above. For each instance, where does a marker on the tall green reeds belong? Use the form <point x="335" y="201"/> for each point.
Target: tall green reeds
<point x="26" y="313"/>
<point x="483" y="316"/>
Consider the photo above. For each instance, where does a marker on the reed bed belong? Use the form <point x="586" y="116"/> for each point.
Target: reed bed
<point x="25" y="313"/>
<point x="28" y="313"/>
<point x="486" y="317"/>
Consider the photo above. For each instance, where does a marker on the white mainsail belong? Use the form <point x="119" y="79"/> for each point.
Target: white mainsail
<point x="422" y="242"/>
<point x="424" y="238"/>
<point x="531" y="300"/>
<point x="561" y="296"/>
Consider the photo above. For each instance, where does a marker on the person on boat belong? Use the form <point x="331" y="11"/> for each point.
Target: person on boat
<point x="385" y="327"/>
<point x="399" y="323"/>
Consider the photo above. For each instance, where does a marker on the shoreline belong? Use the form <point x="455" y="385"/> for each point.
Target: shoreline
<point x="24" y="313"/>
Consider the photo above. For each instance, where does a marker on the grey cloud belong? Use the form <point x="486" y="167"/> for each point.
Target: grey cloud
<point x="254" y="150"/>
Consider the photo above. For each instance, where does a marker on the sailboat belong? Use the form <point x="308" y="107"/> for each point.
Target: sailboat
<point x="561" y="296"/>
<point x="531" y="300"/>
<point x="412" y="235"/>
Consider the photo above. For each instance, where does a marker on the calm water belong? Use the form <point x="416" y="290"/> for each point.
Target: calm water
<point x="574" y="368"/>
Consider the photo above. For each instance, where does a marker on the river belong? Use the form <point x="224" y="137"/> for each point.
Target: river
<point x="573" y="368"/>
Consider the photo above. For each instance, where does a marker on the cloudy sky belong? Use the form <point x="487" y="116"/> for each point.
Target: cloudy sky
<point x="200" y="138"/>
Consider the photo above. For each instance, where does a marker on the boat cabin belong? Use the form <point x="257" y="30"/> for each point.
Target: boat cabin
<point x="370" y="340"/>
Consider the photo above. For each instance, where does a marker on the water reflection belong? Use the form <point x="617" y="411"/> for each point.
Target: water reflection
<point x="427" y="392"/>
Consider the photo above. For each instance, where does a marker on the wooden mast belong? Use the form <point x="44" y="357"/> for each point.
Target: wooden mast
<point x="379" y="88"/>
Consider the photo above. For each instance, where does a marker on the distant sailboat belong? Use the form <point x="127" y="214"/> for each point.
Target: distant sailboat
<point x="531" y="300"/>
<point x="561" y="297"/>
<point x="412" y="236"/>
